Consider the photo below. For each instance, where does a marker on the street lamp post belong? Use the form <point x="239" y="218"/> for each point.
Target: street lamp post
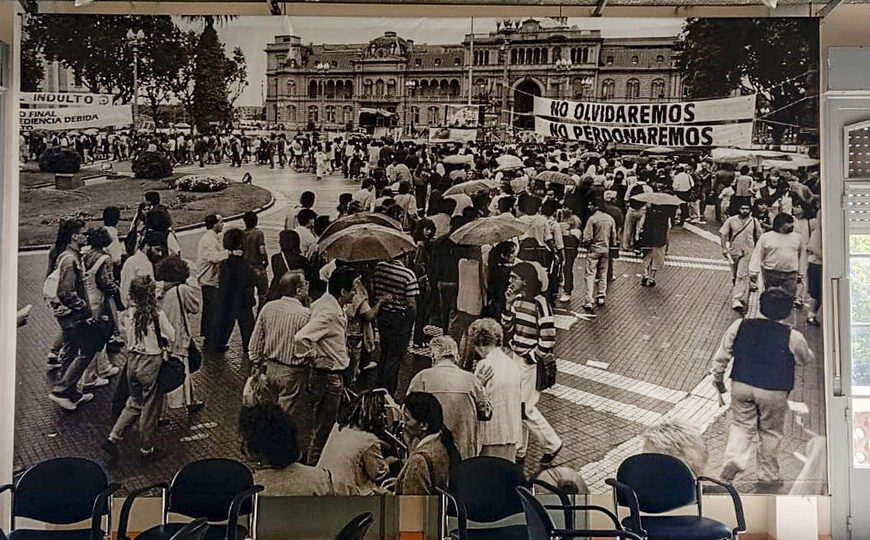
<point x="135" y="40"/>
<point x="506" y="27"/>
<point x="323" y="69"/>
<point x="410" y="86"/>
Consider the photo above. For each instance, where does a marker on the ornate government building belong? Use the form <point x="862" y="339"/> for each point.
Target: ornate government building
<point x="394" y="81"/>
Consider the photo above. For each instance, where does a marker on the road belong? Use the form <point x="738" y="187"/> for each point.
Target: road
<point x="641" y="358"/>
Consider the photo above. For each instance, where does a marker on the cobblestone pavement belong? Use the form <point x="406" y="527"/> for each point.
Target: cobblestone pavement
<point x="641" y="358"/>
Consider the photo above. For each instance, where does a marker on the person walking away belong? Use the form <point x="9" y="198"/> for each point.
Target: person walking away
<point x="634" y="214"/>
<point x="531" y="328"/>
<point x="273" y="347"/>
<point x="572" y="233"/>
<point x="683" y="185"/>
<point x="779" y="256"/>
<point x="148" y="332"/>
<point x="181" y="301"/>
<point x="654" y="241"/>
<point x="142" y="263"/>
<point x="764" y="352"/>
<point x="321" y="163"/>
<point x="738" y="236"/>
<point x="599" y="235"/>
<point x="814" y="272"/>
<point x="463" y="400"/>
<point x="323" y="341"/>
<point x="286" y="260"/>
<point x="254" y="248"/>
<point x="210" y="253"/>
<point x="399" y="283"/>
<point x="103" y="297"/>
<point x="235" y="294"/>
<point x="618" y="216"/>
<point x="501" y="376"/>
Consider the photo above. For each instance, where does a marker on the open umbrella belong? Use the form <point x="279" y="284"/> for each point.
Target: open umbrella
<point x="458" y="159"/>
<point x="489" y="230"/>
<point x="182" y="125"/>
<point x="366" y="242"/>
<point x="442" y="224"/>
<point x="457" y="174"/>
<point x="471" y="187"/>
<point x="73" y="133"/>
<point x="359" y="218"/>
<point x="590" y="155"/>
<point x="555" y="177"/>
<point x="635" y="159"/>
<point x="659" y="199"/>
<point x="508" y="162"/>
<point x="92" y="131"/>
<point x="658" y="150"/>
<point x="519" y="184"/>
<point x="463" y="201"/>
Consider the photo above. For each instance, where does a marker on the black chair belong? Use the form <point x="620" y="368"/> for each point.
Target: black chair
<point x="63" y="491"/>
<point x="656" y="483"/>
<point x="483" y="490"/>
<point x="541" y="527"/>
<point x="214" y="489"/>
<point x="356" y="528"/>
<point x="195" y="530"/>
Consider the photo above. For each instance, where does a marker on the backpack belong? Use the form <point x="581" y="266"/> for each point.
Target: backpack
<point x="52" y="282"/>
<point x="95" y="295"/>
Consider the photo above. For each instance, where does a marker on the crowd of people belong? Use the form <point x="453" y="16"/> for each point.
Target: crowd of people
<point x="331" y="405"/>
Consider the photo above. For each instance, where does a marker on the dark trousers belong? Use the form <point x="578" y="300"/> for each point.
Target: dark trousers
<point x="447" y="292"/>
<point x="228" y="319"/>
<point x="209" y="308"/>
<point x="395" y="330"/>
<point x="425" y="304"/>
<point x="261" y="284"/>
<point x="570" y="258"/>
<point x="325" y="389"/>
<point x="80" y="344"/>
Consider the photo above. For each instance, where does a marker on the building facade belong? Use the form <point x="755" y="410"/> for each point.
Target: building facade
<point x="393" y="81"/>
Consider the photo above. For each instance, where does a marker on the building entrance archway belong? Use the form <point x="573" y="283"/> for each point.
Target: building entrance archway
<point x="524" y="104"/>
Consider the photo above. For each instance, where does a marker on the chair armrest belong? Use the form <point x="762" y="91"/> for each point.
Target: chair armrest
<point x="595" y="533"/>
<point x="190" y="528"/>
<point x="633" y="505"/>
<point x="9" y="487"/>
<point x="461" y="516"/>
<point x="616" y="524"/>
<point x="735" y="498"/>
<point x="236" y="507"/>
<point x="101" y="508"/>
<point x="563" y="499"/>
<point x="128" y="505"/>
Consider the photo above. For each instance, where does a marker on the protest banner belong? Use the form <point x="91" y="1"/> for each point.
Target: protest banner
<point x="65" y="98"/>
<point x="443" y="135"/>
<point x="75" y="117"/>
<point x="461" y="116"/>
<point x="739" y="135"/>
<point x="699" y="112"/>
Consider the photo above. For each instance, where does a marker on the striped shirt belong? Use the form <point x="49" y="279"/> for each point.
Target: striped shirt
<point x="531" y="326"/>
<point x="394" y="278"/>
<point x="273" y="337"/>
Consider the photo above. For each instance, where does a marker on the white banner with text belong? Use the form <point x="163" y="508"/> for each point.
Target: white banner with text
<point x="75" y="117"/>
<point x="65" y="98"/>
<point x="738" y="135"/>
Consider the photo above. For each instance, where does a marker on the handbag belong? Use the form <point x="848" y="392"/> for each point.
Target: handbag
<point x="545" y="371"/>
<point x="194" y="355"/>
<point x="171" y="374"/>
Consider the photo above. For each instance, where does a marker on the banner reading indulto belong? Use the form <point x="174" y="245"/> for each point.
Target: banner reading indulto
<point x="739" y="135"/>
<point x="75" y="117"/>
<point x="712" y="110"/>
<point x="65" y="98"/>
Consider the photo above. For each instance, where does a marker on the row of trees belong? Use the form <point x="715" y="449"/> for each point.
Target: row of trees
<point x="187" y="65"/>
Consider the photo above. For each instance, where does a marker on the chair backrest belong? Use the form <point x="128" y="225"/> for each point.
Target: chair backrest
<point x="195" y="530"/>
<point x="205" y="488"/>
<point x="661" y="482"/>
<point x="356" y="528"/>
<point x="487" y="487"/>
<point x="60" y="490"/>
<point x="538" y="522"/>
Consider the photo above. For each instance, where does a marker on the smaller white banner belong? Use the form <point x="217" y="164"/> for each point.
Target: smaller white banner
<point x="442" y="135"/>
<point x="75" y="117"/>
<point x="65" y="98"/>
<point x="738" y="135"/>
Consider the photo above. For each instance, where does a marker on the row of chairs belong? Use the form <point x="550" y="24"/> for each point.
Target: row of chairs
<point x="214" y="493"/>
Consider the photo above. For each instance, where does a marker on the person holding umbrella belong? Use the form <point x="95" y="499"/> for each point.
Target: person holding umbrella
<point x="654" y="233"/>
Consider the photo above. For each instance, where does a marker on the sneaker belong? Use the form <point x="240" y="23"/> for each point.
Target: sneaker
<point x="565" y="298"/>
<point x="588" y="306"/>
<point x="600" y="301"/>
<point x="96" y="383"/>
<point x="547" y="459"/>
<point x="813" y="321"/>
<point x="51" y="365"/>
<point x="63" y="402"/>
<point x="798" y="303"/>
<point x="644" y="282"/>
<point x="195" y="407"/>
<point x="110" y="447"/>
<point x="729" y="471"/>
<point x="150" y="457"/>
<point x="164" y="422"/>
<point x="737" y="306"/>
<point x="651" y="282"/>
<point x="52" y="356"/>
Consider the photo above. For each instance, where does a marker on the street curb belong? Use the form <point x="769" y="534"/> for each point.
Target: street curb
<point x="183" y="228"/>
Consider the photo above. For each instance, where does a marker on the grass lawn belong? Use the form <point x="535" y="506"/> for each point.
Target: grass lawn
<point x="40" y="210"/>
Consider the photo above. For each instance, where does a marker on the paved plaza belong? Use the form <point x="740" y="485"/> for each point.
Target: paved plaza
<point x="642" y="358"/>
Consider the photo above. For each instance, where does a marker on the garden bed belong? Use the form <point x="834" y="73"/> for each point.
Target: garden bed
<point x="40" y="209"/>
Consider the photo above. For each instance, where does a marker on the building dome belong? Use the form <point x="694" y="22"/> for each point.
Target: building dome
<point x="387" y="45"/>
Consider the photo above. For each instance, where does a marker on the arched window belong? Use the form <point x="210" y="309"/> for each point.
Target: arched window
<point x="557" y="54"/>
<point x="312" y="113"/>
<point x="291" y="113"/>
<point x="444" y="87"/>
<point x="291" y="88"/>
<point x="348" y="89"/>
<point x="454" y="88"/>
<point x="432" y="115"/>
<point x="658" y="89"/>
<point x="415" y="115"/>
<point x="330" y="90"/>
<point x="585" y="55"/>
<point x="545" y="56"/>
<point x="330" y="113"/>
<point x="607" y="88"/>
<point x="537" y="56"/>
<point x="486" y="57"/>
<point x="522" y="56"/>
<point x="379" y="88"/>
<point x="367" y="87"/>
<point x="632" y="88"/>
<point x="347" y="114"/>
<point x="391" y="87"/>
<point x="513" y="56"/>
<point x="312" y="89"/>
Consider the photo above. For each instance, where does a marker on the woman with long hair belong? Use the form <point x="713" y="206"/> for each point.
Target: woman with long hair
<point x="147" y="331"/>
<point x="433" y="451"/>
<point x="103" y="297"/>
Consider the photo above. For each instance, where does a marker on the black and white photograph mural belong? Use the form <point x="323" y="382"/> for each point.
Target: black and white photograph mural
<point x="351" y="252"/>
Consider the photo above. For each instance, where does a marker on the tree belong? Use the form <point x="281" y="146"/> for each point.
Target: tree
<point x="183" y="84"/>
<point x="32" y="70"/>
<point x="776" y="58"/>
<point x="236" y="74"/>
<point x="161" y="60"/>
<point x="210" y="91"/>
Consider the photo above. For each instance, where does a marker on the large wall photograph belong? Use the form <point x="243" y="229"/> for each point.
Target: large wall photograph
<point x="353" y="251"/>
